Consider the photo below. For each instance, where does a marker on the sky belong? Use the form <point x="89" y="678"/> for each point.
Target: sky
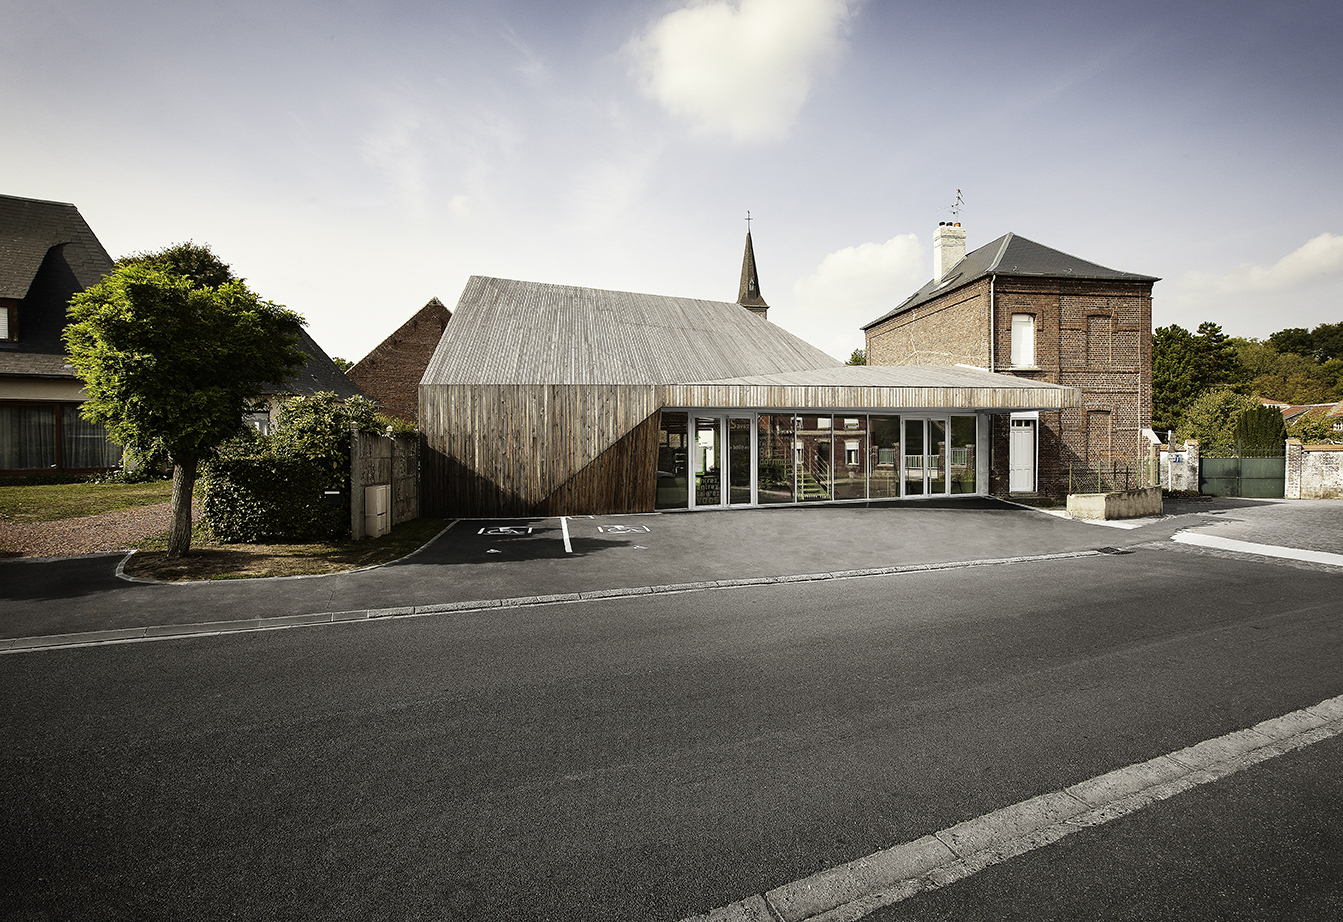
<point x="352" y="159"/>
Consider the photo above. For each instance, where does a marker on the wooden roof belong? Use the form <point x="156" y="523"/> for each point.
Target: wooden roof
<point x="513" y="332"/>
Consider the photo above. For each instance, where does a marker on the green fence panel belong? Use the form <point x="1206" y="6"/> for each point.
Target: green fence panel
<point x="1258" y="478"/>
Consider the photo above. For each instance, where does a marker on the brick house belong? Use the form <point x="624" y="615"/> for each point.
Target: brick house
<point x="390" y="374"/>
<point x="1017" y="307"/>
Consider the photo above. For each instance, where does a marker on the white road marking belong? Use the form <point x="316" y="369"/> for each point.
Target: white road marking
<point x="1264" y="550"/>
<point x="564" y="527"/>
<point x="859" y="888"/>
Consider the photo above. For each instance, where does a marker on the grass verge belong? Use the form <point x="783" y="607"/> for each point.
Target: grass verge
<point x="211" y="560"/>
<point x="50" y="501"/>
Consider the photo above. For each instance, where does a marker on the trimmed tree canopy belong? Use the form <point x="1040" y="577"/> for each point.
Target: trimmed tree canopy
<point x="171" y="362"/>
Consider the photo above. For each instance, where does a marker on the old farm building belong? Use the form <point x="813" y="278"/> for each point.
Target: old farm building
<point x="549" y="399"/>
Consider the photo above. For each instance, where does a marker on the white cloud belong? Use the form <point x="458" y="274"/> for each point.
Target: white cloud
<point x="1301" y="289"/>
<point x="852" y="287"/>
<point x="740" y="68"/>
<point x="1319" y="260"/>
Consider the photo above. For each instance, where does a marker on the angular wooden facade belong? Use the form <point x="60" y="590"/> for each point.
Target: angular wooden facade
<point x="546" y="399"/>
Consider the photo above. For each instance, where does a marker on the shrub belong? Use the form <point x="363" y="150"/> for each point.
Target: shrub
<point x="271" y="486"/>
<point x="270" y="497"/>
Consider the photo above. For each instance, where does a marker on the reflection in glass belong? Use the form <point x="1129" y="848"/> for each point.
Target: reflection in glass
<point x="850" y="449"/>
<point x="739" y="460"/>
<point x="774" y="458"/>
<point x="812" y="446"/>
<point x="708" y="469"/>
<point x="937" y="456"/>
<point x="961" y="460"/>
<point x="914" y="457"/>
<point x="885" y="457"/>
<point x="673" y="463"/>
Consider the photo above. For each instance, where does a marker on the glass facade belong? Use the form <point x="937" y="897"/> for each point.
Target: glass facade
<point x="673" y="488"/>
<point x="708" y="458"/>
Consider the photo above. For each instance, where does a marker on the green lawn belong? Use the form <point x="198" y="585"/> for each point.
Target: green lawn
<point x="48" y="502"/>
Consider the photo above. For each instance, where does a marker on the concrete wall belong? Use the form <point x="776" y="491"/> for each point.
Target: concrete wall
<point x="379" y="459"/>
<point x="1130" y="504"/>
<point x="1314" y="471"/>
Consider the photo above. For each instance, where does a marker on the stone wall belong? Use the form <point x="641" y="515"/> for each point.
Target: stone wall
<point x="1314" y="471"/>
<point x="1180" y="467"/>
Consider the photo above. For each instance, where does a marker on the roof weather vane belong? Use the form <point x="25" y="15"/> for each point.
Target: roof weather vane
<point x="748" y="222"/>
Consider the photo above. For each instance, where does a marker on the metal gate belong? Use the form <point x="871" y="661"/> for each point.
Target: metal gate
<point x="1260" y="478"/>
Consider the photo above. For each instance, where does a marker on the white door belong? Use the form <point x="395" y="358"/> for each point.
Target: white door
<point x="1021" y="456"/>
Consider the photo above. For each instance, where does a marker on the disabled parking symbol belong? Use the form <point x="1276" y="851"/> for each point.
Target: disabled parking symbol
<point x="506" y="530"/>
<point x="623" y="529"/>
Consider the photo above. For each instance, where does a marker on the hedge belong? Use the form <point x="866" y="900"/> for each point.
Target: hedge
<point x="263" y="498"/>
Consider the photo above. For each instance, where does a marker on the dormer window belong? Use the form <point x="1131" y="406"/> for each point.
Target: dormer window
<point x="6" y="323"/>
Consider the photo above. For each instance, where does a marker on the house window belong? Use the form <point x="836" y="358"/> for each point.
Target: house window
<point x="4" y="322"/>
<point x="1023" y="340"/>
<point x="851" y="453"/>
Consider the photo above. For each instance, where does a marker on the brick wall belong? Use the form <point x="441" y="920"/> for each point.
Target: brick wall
<point x="1092" y="334"/>
<point x="391" y="373"/>
<point x="953" y="330"/>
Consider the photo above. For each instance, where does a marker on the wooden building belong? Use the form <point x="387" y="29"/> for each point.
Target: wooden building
<point x="550" y="399"/>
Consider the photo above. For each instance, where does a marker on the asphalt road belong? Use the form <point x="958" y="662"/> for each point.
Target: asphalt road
<point x="654" y="757"/>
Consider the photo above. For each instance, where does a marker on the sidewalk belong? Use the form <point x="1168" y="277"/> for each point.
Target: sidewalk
<point x="543" y="559"/>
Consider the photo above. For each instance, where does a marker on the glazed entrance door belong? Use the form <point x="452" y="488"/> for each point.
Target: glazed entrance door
<point x="925" y="457"/>
<point x="707" y="447"/>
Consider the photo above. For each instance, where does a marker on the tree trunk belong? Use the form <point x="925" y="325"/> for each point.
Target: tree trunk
<point x="179" y="530"/>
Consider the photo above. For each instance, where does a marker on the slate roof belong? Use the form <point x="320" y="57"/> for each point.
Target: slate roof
<point x="513" y="332"/>
<point x="31" y="230"/>
<point x="31" y="227"/>
<point x="320" y="374"/>
<point x="1011" y="255"/>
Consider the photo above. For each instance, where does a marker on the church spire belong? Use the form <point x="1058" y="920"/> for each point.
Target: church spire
<point x="748" y="296"/>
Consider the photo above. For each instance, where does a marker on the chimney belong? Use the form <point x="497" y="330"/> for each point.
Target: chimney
<point x="948" y="248"/>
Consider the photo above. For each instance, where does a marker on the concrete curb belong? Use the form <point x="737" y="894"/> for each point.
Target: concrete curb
<point x="851" y="891"/>
<point x="168" y="631"/>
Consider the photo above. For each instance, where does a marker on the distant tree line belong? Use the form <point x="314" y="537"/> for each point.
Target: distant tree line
<point x="1202" y="382"/>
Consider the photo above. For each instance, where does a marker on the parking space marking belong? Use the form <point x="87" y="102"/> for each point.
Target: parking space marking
<point x="564" y="527"/>
<point x="506" y="530"/>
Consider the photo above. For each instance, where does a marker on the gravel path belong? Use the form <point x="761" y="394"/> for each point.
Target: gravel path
<point x="107" y="531"/>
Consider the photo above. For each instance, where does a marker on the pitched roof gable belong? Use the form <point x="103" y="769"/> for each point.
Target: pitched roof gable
<point x="31" y="227"/>
<point x="513" y="332"/>
<point x="1011" y="255"/>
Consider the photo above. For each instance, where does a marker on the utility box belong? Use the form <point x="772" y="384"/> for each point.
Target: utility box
<point x="377" y="510"/>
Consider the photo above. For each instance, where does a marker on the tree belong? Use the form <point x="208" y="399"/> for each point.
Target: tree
<point x="1184" y="365"/>
<point x="1296" y="340"/>
<point x="1259" y="429"/>
<point x="859" y="357"/>
<point x="342" y="364"/>
<point x="1211" y="418"/>
<point x="171" y="356"/>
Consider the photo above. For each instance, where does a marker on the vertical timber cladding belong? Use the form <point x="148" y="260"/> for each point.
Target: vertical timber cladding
<point x="505" y="449"/>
